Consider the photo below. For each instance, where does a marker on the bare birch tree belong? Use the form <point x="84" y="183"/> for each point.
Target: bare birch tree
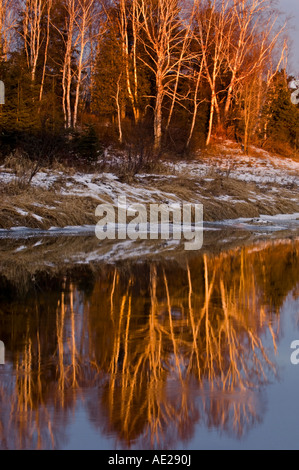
<point x="47" y="41"/>
<point x="87" y="15"/>
<point x="185" y="55"/>
<point x="118" y="106"/>
<point x="129" y="12"/>
<point x="212" y="25"/>
<point x="162" y="36"/>
<point x="71" y="8"/>
<point x="84" y="23"/>
<point x="32" y="32"/>
<point x="8" y="24"/>
<point x="254" y="34"/>
<point x="197" y="79"/>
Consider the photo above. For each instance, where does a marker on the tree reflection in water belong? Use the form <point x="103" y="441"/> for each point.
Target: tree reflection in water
<point x="150" y="349"/>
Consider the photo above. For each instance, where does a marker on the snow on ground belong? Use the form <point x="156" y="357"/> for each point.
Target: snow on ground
<point x="270" y="174"/>
<point x="261" y="169"/>
<point x="21" y="212"/>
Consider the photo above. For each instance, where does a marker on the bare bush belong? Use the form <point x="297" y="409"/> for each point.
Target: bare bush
<point x="23" y="167"/>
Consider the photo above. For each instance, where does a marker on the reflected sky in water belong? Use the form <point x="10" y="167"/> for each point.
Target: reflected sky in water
<point x="188" y="354"/>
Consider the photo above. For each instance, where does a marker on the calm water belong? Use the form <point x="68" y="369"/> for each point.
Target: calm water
<point x="188" y="354"/>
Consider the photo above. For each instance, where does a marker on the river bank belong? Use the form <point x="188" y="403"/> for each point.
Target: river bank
<point x="229" y="184"/>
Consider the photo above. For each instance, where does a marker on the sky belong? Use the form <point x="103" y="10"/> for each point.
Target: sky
<point x="291" y="7"/>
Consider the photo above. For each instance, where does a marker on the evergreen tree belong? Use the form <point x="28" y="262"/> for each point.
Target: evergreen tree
<point x="281" y="116"/>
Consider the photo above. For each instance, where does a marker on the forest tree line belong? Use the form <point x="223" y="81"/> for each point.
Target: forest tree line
<point x="168" y="74"/>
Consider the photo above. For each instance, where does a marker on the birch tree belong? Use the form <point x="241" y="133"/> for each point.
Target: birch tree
<point x="47" y="41"/>
<point x="8" y="24"/>
<point x="212" y="26"/>
<point x="162" y="35"/>
<point x="87" y="15"/>
<point x="255" y="33"/>
<point x="197" y="79"/>
<point x="130" y="13"/>
<point x="185" y="55"/>
<point x="84" y="23"/>
<point x="32" y="32"/>
<point x="71" y="8"/>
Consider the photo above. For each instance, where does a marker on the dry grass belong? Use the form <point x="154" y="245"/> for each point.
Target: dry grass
<point x="227" y="198"/>
<point x="223" y="197"/>
<point x="40" y="209"/>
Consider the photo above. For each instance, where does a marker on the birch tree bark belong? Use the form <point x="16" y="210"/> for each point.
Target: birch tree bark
<point x="84" y="24"/>
<point x="85" y="18"/>
<point x="32" y="29"/>
<point x="8" y="24"/>
<point x="49" y="8"/>
<point x="196" y="103"/>
<point x="162" y="34"/>
<point x="212" y="25"/>
<point x="129" y="11"/>
<point x="254" y="32"/>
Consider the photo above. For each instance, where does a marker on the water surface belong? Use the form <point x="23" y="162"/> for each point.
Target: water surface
<point x="177" y="353"/>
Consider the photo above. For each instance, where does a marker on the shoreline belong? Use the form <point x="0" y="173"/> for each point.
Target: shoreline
<point x="229" y="185"/>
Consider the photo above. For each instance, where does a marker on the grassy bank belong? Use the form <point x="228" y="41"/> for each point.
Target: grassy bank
<point x="228" y="184"/>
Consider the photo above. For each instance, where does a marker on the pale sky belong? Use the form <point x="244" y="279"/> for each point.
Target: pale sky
<point x="291" y="7"/>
